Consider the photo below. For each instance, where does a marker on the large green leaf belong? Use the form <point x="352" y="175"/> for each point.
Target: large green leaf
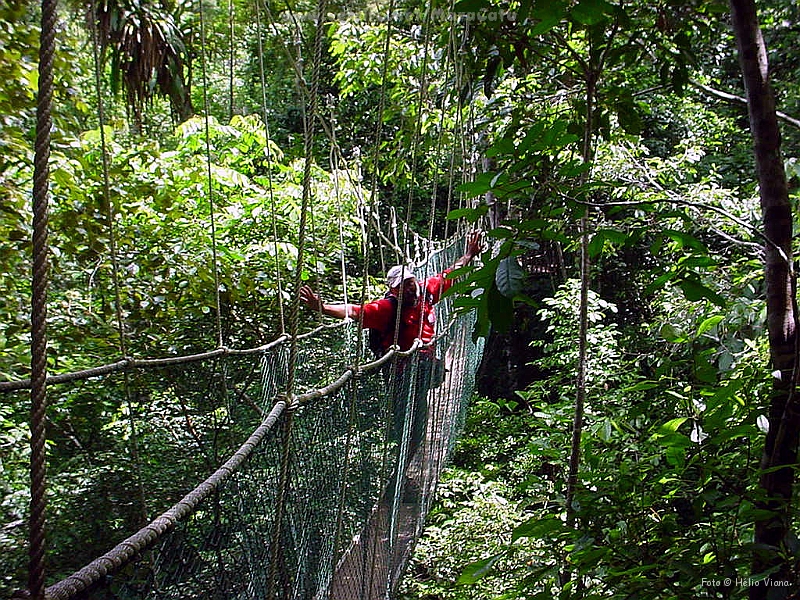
<point x="708" y="324"/>
<point x="500" y="309"/>
<point x="548" y="15"/>
<point x="694" y="291"/>
<point x="509" y="277"/>
<point x="539" y="527"/>
<point x="469" y="6"/>
<point x="479" y="569"/>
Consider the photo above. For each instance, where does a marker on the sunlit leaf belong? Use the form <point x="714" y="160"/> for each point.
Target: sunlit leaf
<point x="477" y="570"/>
<point x="708" y="324"/>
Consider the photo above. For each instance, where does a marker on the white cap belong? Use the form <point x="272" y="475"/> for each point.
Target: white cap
<point x="397" y="275"/>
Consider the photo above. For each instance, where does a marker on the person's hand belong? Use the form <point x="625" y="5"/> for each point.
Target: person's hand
<point x="310" y="299"/>
<point x="474" y="244"/>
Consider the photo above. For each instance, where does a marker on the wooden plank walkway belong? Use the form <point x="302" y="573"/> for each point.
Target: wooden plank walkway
<point x="375" y="561"/>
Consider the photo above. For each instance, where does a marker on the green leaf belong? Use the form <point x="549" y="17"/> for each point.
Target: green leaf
<point x="549" y="14"/>
<point x="754" y="515"/>
<point x="509" y="277"/>
<point x="669" y="333"/>
<point x="672" y="425"/>
<point x="501" y="146"/>
<point x="676" y="455"/>
<point x="685" y="240"/>
<point x="500" y="309"/>
<point x="660" y="281"/>
<point x="475" y="571"/>
<point x="573" y="168"/>
<point x="539" y="528"/>
<point x="629" y="118"/>
<point x="469" y="214"/>
<point x="524" y="10"/>
<point x="481" y="185"/>
<point x="642" y="385"/>
<point x="501" y="233"/>
<point x="708" y="324"/>
<point x="600" y="237"/>
<point x="533" y="225"/>
<point x="596" y="244"/>
<point x="590" y="12"/>
<point x="697" y="261"/>
<point x="693" y="290"/>
<point x="467" y="6"/>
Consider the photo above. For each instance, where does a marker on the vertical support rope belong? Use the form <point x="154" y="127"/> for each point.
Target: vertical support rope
<point x="373" y="192"/>
<point x="231" y="57"/>
<point x="308" y="148"/>
<point x="334" y="163"/>
<point x="276" y="549"/>
<point x="440" y="137"/>
<point x="308" y="138"/>
<point x="214" y="257"/>
<point x="273" y="212"/>
<point x="458" y="129"/>
<point x="423" y="83"/>
<point x="41" y="172"/>
<point x="112" y="241"/>
<point x="353" y="397"/>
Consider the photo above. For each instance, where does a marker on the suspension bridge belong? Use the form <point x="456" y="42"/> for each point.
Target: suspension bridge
<point x="320" y="500"/>
<point x="301" y="486"/>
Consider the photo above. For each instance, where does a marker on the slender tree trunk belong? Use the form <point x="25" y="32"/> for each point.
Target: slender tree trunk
<point x="592" y="77"/>
<point x="583" y="316"/>
<point x="784" y="418"/>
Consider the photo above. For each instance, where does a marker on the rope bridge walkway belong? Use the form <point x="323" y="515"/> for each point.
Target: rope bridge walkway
<point x="327" y="472"/>
<point x="323" y="500"/>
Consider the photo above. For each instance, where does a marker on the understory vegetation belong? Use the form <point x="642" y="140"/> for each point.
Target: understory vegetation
<point x="661" y="517"/>
<point x="637" y="189"/>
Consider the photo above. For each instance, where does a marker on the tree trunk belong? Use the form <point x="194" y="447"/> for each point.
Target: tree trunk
<point x="784" y="421"/>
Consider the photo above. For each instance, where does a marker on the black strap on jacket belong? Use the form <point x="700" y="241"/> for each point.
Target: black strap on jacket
<point x="381" y="339"/>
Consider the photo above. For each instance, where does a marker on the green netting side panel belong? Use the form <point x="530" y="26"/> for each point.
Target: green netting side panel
<point x="221" y="550"/>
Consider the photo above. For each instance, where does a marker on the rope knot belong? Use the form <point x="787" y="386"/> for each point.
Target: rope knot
<point x="291" y="401"/>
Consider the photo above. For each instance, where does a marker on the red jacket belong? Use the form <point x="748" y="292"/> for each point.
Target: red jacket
<point x="379" y="314"/>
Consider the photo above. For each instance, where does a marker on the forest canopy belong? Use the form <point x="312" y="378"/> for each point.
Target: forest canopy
<point x="633" y="166"/>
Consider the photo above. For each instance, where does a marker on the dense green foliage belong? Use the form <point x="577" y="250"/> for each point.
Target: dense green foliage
<point x="555" y="126"/>
<point x="660" y="515"/>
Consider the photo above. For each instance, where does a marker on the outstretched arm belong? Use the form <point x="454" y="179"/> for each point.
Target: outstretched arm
<point x="315" y="303"/>
<point x="473" y="249"/>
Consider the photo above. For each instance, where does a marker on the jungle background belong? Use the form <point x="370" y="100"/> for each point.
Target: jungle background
<point x="604" y="148"/>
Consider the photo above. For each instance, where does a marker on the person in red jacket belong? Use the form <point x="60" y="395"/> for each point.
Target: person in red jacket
<point x="417" y="319"/>
<point x="417" y="301"/>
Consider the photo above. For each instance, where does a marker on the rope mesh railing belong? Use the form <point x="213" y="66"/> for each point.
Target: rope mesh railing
<point x="340" y="525"/>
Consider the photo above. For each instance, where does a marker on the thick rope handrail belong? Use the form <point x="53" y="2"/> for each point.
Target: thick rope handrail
<point x="39" y="285"/>
<point x="122" y="554"/>
<point x="126" y="364"/>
